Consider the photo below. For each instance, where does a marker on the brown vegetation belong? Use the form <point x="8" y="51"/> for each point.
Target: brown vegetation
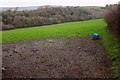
<point x="48" y="15"/>
<point x="112" y="17"/>
<point x="7" y="27"/>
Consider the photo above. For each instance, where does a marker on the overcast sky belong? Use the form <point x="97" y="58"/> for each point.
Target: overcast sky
<point x="20" y="3"/>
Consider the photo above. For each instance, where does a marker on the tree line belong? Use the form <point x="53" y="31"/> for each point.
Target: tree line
<point x="48" y="15"/>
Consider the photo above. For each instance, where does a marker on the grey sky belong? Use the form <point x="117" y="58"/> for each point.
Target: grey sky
<point x="19" y="3"/>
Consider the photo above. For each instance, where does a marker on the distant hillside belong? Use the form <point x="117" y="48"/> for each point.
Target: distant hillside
<point x="45" y="15"/>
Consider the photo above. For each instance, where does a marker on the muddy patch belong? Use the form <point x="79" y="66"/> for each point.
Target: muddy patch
<point x="56" y="58"/>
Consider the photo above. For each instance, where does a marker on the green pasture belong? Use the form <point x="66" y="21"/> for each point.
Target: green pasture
<point x="64" y="30"/>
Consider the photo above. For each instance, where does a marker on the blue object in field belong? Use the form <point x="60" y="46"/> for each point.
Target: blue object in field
<point x="95" y="36"/>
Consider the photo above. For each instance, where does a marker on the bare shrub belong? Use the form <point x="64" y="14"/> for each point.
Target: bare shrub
<point x="7" y="27"/>
<point x="112" y="17"/>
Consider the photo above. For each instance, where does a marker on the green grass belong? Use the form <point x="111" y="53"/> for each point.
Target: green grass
<point x="111" y="45"/>
<point x="68" y="30"/>
<point x="65" y="30"/>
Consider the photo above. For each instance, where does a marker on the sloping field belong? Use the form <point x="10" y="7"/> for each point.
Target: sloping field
<point x="65" y="30"/>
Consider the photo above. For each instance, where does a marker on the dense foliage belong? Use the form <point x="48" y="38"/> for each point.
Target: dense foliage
<point x="112" y="17"/>
<point x="48" y="15"/>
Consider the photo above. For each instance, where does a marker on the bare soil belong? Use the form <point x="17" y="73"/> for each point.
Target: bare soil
<point x="56" y="58"/>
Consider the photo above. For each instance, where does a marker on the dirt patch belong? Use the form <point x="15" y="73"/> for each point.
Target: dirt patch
<point x="56" y="58"/>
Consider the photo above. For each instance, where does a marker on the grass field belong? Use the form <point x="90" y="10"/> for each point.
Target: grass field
<point x="67" y="30"/>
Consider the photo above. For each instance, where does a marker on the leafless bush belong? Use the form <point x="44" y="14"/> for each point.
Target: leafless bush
<point x="112" y="17"/>
<point x="7" y="27"/>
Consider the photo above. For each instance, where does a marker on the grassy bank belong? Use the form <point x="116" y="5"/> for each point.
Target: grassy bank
<point x="111" y="45"/>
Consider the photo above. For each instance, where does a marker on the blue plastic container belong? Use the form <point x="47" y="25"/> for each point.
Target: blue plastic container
<point x="95" y="36"/>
